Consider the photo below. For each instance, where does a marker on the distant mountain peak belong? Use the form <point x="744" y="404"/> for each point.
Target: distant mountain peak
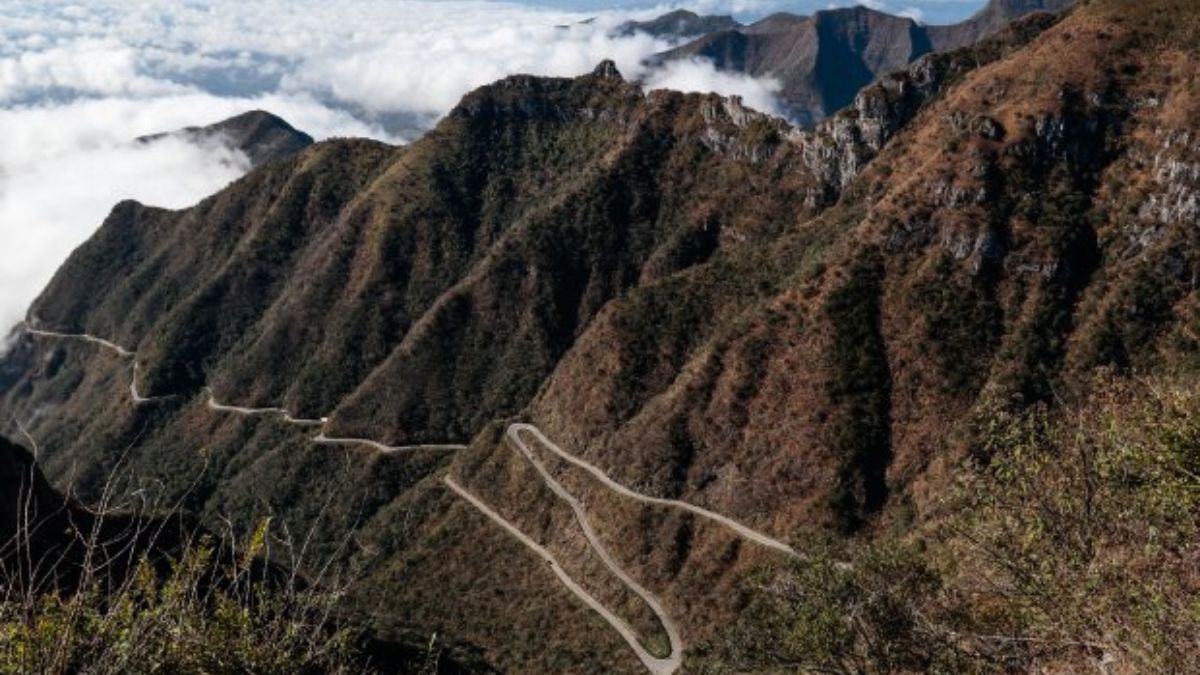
<point x="678" y="24"/>
<point x="824" y="59"/>
<point x="260" y="135"/>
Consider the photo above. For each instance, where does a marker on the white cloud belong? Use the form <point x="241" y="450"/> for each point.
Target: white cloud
<point x="63" y="167"/>
<point x="702" y="76"/>
<point x="86" y="66"/>
<point x="50" y="205"/>
<point x="375" y="57"/>
<point x="78" y="81"/>
<point x="429" y="73"/>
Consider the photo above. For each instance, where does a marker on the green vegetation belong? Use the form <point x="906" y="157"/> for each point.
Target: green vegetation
<point x="962" y="325"/>
<point x="107" y="589"/>
<point x="859" y="388"/>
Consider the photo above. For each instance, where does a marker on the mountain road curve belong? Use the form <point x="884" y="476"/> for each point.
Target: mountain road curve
<point x="513" y="435"/>
<point x="656" y="665"/>
<point x="111" y="346"/>
<point x="322" y="439"/>
<point x="212" y="404"/>
<point x="134" y="394"/>
<point x="755" y="536"/>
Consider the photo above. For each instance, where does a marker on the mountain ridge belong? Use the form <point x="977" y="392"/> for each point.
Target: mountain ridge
<point x="823" y="60"/>
<point x="678" y="24"/>
<point x="804" y="330"/>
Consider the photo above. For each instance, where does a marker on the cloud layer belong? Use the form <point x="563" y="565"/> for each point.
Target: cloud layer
<point x="79" y="81"/>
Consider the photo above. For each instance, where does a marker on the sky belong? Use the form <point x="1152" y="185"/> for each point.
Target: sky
<point x="79" y="80"/>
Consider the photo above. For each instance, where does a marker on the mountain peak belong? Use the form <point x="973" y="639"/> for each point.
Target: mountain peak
<point x="607" y="69"/>
<point x="823" y="60"/>
<point x="262" y="136"/>
<point x="680" y="23"/>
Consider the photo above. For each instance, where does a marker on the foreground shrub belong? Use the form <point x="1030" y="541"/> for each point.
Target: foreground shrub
<point x="212" y="609"/>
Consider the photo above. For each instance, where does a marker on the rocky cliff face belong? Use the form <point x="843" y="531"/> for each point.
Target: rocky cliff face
<point x="799" y="329"/>
<point x="824" y="60"/>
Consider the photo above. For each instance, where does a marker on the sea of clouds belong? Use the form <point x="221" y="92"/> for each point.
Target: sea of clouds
<point x="80" y="80"/>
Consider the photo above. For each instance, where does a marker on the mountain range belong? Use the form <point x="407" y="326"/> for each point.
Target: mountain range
<point x="585" y="373"/>
<point x="822" y="61"/>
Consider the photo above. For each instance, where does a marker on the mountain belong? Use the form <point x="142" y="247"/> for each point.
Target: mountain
<point x="678" y="24"/>
<point x="261" y="136"/>
<point x="995" y="15"/>
<point x="822" y="61"/>
<point x="742" y="340"/>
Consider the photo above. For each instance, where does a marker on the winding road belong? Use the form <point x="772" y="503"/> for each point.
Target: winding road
<point x="111" y="346"/>
<point x="322" y="439"/>
<point x="258" y="412"/>
<point x="137" y="397"/>
<point x="672" y="662"/>
<point x="216" y="406"/>
<point x="738" y="528"/>
<point x="654" y="664"/>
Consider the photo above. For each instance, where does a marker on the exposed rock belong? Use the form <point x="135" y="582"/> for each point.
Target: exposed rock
<point x="823" y="60"/>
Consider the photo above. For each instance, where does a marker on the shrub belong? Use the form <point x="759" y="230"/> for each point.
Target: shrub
<point x="212" y="609"/>
<point x="1070" y="543"/>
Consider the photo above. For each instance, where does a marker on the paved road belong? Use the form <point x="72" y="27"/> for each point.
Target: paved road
<point x="742" y="530"/>
<point x="513" y="434"/>
<point x="113" y="347"/>
<point x="214" y="405"/>
<point x="322" y="439"/>
<point x="654" y="664"/>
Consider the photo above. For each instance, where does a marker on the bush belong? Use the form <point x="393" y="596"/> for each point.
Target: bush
<point x="213" y="610"/>
<point x="1081" y="534"/>
<point x="1070" y="542"/>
